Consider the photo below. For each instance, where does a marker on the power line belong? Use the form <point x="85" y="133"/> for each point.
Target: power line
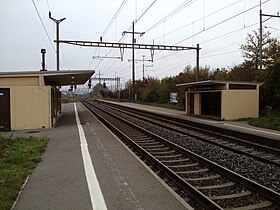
<point x="48" y="5"/>
<point x="114" y="17"/>
<point x="219" y="23"/>
<point x="229" y="33"/>
<point x="199" y="19"/>
<point x="142" y="14"/>
<point x="215" y="55"/>
<point x="172" y="13"/>
<point x="43" y="24"/>
<point x="145" y="10"/>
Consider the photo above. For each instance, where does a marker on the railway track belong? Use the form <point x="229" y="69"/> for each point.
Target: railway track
<point x="259" y="152"/>
<point x="212" y="186"/>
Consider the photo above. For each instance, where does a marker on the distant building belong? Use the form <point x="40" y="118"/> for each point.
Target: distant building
<point x="222" y="100"/>
<point x="32" y="100"/>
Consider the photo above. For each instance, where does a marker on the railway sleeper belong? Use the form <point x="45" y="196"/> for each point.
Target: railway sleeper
<point x="141" y="138"/>
<point x="203" y="178"/>
<point x="149" y="143"/>
<point x="175" y="161"/>
<point x="230" y="196"/>
<point x="248" y="150"/>
<point x="261" y="205"/>
<point x="163" y="152"/>
<point x="183" y="166"/>
<point x="192" y="172"/>
<point x="167" y="156"/>
<point x="156" y="148"/>
<point x="210" y="187"/>
<point x="231" y="144"/>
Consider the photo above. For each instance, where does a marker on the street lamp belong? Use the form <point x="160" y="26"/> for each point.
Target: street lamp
<point x="57" y="21"/>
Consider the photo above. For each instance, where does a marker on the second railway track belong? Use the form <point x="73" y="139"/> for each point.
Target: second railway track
<point x="262" y="153"/>
<point x="211" y="185"/>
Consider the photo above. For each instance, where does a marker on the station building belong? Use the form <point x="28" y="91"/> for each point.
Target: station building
<point x="222" y="100"/>
<point x="32" y="100"/>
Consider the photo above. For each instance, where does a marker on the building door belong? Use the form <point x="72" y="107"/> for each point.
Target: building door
<point x="5" y="116"/>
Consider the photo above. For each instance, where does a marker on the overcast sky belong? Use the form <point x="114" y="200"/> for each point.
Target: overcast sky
<point x="202" y="22"/>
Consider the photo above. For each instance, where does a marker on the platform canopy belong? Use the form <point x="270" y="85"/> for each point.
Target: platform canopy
<point x="62" y="78"/>
<point x="53" y="78"/>
<point x="216" y="82"/>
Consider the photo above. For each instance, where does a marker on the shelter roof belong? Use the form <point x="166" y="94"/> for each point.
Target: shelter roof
<point x="214" y="82"/>
<point x="59" y="78"/>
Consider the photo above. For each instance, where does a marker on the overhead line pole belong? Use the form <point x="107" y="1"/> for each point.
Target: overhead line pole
<point x="57" y="21"/>
<point x="197" y="63"/>
<point x="261" y="37"/>
<point x="133" y="57"/>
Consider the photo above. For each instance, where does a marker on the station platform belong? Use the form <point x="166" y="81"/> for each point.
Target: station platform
<point x="239" y="126"/>
<point x="86" y="167"/>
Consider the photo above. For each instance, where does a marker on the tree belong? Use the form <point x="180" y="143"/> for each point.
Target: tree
<point x="270" y="90"/>
<point x="219" y="74"/>
<point x="244" y="72"/>
<point x="167" y="85"/>
<point x="251" y="49"/>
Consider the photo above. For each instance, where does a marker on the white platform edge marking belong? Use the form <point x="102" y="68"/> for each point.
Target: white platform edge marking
<point x="96" y="196"/>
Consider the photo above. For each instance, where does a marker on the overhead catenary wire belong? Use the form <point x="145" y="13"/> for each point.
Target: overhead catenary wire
<point x="172" y="13"/>
<point x="145" y="10"/>
<point x="221" y="22"/>
<point x="137" y="19"/>
<point x="215" y="38"/>
<point x="206" y="55"/>
<point x="114" y="17"/>
<point x="48" y="5"/>
<point x="37" y="11"/>
<point x="199" y="19"/>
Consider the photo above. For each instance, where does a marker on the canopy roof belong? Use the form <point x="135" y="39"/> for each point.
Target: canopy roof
<point x="59" y="78"/>
<point x="214" y="82"/>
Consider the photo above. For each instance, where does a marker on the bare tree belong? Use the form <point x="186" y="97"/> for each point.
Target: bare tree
<point x="251" y="49"/>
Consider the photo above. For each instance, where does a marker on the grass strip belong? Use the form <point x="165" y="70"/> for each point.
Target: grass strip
<point x="272" y="122"/>
<point x="18" y="157"/>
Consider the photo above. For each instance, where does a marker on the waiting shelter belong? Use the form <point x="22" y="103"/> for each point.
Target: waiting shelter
<point x="32" y="99"/>
<point x="222" y="100"/>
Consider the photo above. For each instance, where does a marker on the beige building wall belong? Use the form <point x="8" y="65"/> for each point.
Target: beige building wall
<point x="19" y="81"/>
<point x="197" y="104"/>
<point x="30" y="107"/>
<point x="238" y="104"/>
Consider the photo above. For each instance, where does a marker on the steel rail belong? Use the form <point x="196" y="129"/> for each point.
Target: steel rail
<point x="181" y="125"/>
<point x="253" y="186"/>
<point x="189" y="189"/>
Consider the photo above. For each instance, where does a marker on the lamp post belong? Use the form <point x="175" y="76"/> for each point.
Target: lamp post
<point x="57" y="21"/>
